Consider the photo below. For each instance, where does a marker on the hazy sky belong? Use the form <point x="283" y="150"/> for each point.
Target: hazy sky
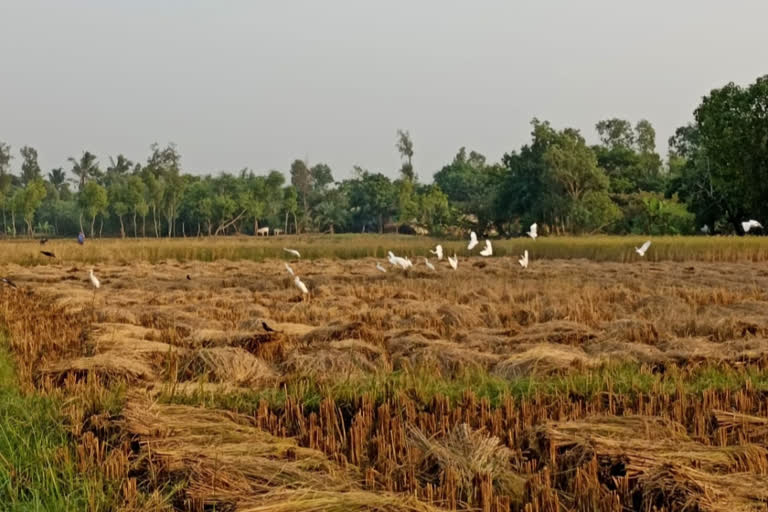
<point x="259" y="83"/>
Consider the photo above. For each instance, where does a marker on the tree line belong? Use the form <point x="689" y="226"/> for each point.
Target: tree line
<point x="712" y="177"/>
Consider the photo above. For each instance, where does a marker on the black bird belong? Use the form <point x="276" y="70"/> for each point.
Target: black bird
<point x="7" y="281"/>
<point x="48" y="253"/>
<point x="188" y="278"/>
<point x="267" y="328"/>
<point x="43" y="241"/>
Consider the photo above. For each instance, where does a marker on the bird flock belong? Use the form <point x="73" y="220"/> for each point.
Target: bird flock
<point x="405" y="263"/>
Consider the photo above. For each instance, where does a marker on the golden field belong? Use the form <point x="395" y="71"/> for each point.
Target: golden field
<point x="593" y="380"/>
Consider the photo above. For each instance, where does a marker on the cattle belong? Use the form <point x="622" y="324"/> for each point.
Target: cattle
<point x="262" y="231"/>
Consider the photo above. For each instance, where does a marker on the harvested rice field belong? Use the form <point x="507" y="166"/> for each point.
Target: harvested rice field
<point x="573" y="385"/>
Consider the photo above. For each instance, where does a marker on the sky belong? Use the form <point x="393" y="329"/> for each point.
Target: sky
<point x="259" y="83"/>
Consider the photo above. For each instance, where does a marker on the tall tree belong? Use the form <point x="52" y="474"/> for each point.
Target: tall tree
<point x="93" y="200"/>
<point x="301" y="179"/>
<point x="86" y="168"/>
<point x="404" y="146"/>
<point x="30" y="198"/>
<point x="30" y="169"/>
<point x="5" y="181"/>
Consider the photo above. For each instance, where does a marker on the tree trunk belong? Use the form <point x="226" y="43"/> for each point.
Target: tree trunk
<point x="286" y="223"/>
<point x="255" y="226"/>
<point x="93" y="224"/>
<point x="295" y="223"/>
<point x="198" y="230"/>
<point x="143" y="226"/>
<point x="381" y="224"/>
<point x="183" y="232"/>
<point x="122" y="227"/>
<point x="135" y="231"/>
<point x="154" y="221"/>
<point x="13" y="222"/>
<point x="81" y="222"/>
<point x="101" y="226"/>
<point x="5" y="224"/>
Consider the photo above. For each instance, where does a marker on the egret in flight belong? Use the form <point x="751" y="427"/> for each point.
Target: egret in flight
<point x="472" y="241"/>
<point x="438" y="252"/>
<point x="398" y="261"/>
<point x="534" y="231"/>
<point x="292" y="251"/>
<point x="641" y="250"/>
<point x="429" y="265"/>
<point x="488" y="249"/>
<point x="524" y="259"/>
<point x="751" y="224"/>
<point x="289" y="269"/>
<point x="453" y="262"/>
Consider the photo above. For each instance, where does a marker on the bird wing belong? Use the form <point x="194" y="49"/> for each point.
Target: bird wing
<point x="289" y="269"/>
<point x="645" y="246"/>
<point x="473" y="236"/>
<point x="534" y="228"/>
<point x="746" y="226"/>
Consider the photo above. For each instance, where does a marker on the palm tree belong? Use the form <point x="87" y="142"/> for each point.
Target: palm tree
<point x="57" y="177"/>
<point x="117" y="169"/>
<point x="85" y="168"/>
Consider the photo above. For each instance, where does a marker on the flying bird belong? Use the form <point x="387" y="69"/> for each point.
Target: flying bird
<point x="398" y="261"/>
<point x="289" y="269"/>
<point x="488" y="249"/>
<point x="292" y="251"/>
<point x="524" y="259"/>
<point x="8" y="282"/>
<point x="429" y="265"/>
<point x="380" y="268"/>
<point x="94" y="280"/>
<point x="453" y="262"/>
<point x="472" y="241"/>
<point x="534" y="231"/>
<point x="267" y="328"/>
<point x="641" y="250"/>
<point x="751" y="224"/>
<point x="438" y="252"/>
<point x="300" y="285"/>
<point x="43" y="241"/>
<point x="48" y="253"/>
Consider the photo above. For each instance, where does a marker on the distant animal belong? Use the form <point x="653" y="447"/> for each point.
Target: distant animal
<point x="438" y="252"/>
<point x="403" y="263"/>
<point x="48" y="253"/>
<point x="8" y="282"/>
<point x="380" y="268"/>
<point x="641" y="250"/>
<point x="534" y="231"/>
<point x="429" y="265"/>
<point x="524" y="259"/>
<point x="705" y="229"/>
<point x="479" y="264"/>
<point x="267" y="328"/>
<point x="262" y="231"/>
<point x="189" y="278"/>
<point x="94" y="280"/>
<point x="472" y="241"/>
<point x="292" y="251"/>
<point x="488" y="249"/>
<point x="43" y="241"/>
<point x="453" y="262"/>
<point x="750" y="224"/>
<point x="289" y="269"/>
<point x="277" y="231"/>
<point x="300" y="285"/>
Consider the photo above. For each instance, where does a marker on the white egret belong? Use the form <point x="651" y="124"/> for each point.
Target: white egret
<point x="289" y="269"/>
<point x="300" y="285"/>
<point x="398" y="261"/>
<point x="472" y="241"/>
<point x="453" y="262"/>
<point x="751" y="224"/>
<point x="292" y="251"/>
<point x="429" y="265"/>
<point x="641" y="250"/>
<point x="705" y="229"/>
<point x="94" y="280"/>
<point x="380" y="268"/>
<point x="524" y="259"/>
<point x="488" y="249"/>
<point x="438" y="252"/>
<point x="534" y="231"/>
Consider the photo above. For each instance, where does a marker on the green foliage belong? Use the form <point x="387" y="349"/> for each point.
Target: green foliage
<point x="30" y="169"/>
<point x="93" y="200"/>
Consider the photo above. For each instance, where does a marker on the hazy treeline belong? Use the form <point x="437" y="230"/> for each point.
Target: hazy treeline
<point x="713" y="177"/>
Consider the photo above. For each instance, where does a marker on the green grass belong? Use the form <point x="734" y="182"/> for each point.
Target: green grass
<point x="37" y="455"/>
<point x="353" y="246"/>
<point x="423" y="386"/>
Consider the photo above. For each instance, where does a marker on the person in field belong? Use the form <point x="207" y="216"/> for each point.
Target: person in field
<point x="81" y="238"/>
